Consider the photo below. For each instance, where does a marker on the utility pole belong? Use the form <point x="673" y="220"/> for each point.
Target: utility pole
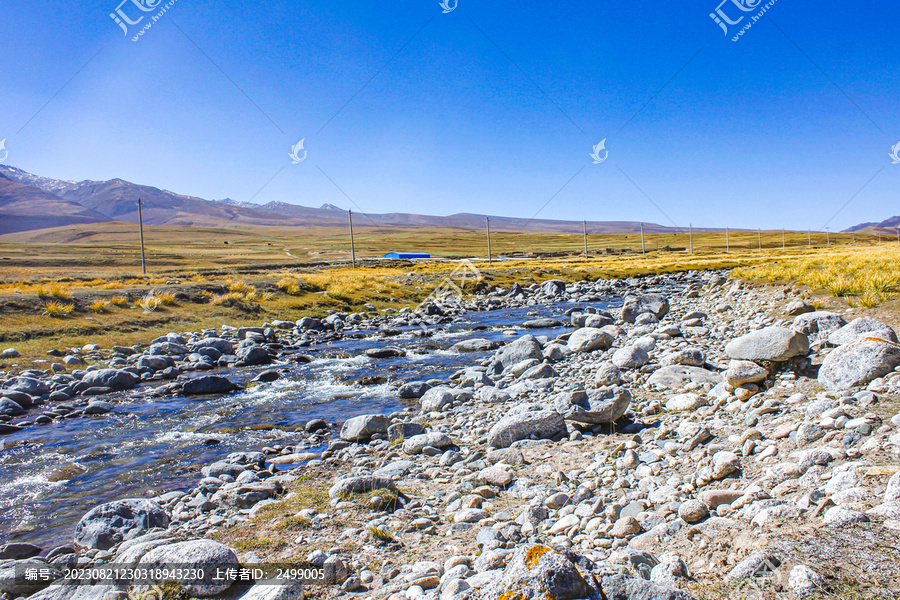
<point x="691" y="238"/>
<point x="487" y="222"/>
<point x="782" y="239"/>
<point x="759" y="239"/>
<point x="898" y="234"/>
<point x="645" y="252"/>
<point x="827" y="237"/>
<point x="141" y="221"/>
<point x="352" y="246"/>
<point x="584" y="226"/>
<point x="727" y="250"/>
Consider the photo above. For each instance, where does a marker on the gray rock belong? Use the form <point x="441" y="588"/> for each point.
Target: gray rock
<point x="417" y="443"/>
<point x="535" y="424"/>
<point x="838" y="516"/>
<point x="223" y="346"/>
<point x="803" y="581"/>
<point x="633" y="306"/>
<point x="692" y="357"/>
<point x="623" y="587"/>
<point x="588" y="339"/>
<point x="862" y="327"/>
<point x="608" y="374"/>
<point x="740" y="372"/>
<point x="772" y="343"/>
<point x="403" y="431"/>
<point x="18" y="550"/>
<point x="106" y="525"/>
<point x="98" y="407"/>
<point x="27" y="385"/>
<point x="524" y="348"/>
<point x="597" y="406"/>
<point x="474" y="345"/>
<point x="249" y="356"/>
<point x="756" y="564"/>
<point x="819" y="323"/>
<point x="207" y="555"/>
<point x="360" y="484"/>
<point x="208" y="384"/>
<point x="536" y="571"/>
<point x="10" y="408"/>
<point x="630" y="357"/>
<point x="363" y="427"/>
<point x="290" y="589"/>
<point x="693" y="511"/>
<point x="413" y="390"/>
<point x="857" y="363"/>
<point x="13" y="585"/>
<point x="397" y="468"/>
<point x="892" y="490"/>
<point x="542" y="323"/>
<point x="110" y="378"/>
<point x="798" y="307"/>
<point x="679" y="376"/>
<point x="436" y="399"/>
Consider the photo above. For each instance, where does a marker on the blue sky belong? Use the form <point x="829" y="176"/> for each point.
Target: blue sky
<point x="491" y="108"/>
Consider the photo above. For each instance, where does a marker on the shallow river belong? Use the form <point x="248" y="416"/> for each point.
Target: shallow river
<point x="50" y="475"/>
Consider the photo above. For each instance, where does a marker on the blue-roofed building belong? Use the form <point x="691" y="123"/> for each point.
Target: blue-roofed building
<point x="406" y="255"/>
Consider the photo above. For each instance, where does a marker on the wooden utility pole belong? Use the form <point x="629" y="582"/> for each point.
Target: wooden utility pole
<point x="352" y="245"/>
<point x="141" y="221"/>
<point x="645" y="252"/>
<point x="759" y="239"/>
<point x="827" y="237"/>
<point x="584" y="227"/>
<point x="691" y="238"/>
<point x="487" y="223"/>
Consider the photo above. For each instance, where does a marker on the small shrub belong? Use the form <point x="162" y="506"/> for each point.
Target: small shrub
<point x="166" y="298"/>
<point x="119" y="300"/>
<point x="58" y="309"/>
<point x="53" y="291"/>
<point x="239" y="287"/>
<point x="100" y="306"/>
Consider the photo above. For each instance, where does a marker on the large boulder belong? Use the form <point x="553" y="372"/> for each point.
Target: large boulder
<point x="537" y="571"/>
<point x="588" y="339"/>
<point x="249" y="356"/>
<point x="630" y="357"/>
<point x="436" y="398"/>
<point x="857" y="363"/>
<point x="106" y="525"/>
<point x="363" y="427"/>
<point x="9" y="408"/>
<point x="820" y="323"/>
<point x="524" y="348"/>
<point x="360" y="484"/>
<point x="594" y="407"/>
<point x="634" y="306"/>
<point x="417" y="443"/>
<point x="536" y="424"/>
<point x="772" y="343"/>
<point x="676" y="377"/>
<point x="222" y="345"/>
<point x="863" y="327"/>
<point x="623" y="587"/>
<point x="109" y="378"/>
<point x="26" y="385"/>
<point x="206" y="555"/>
<point x="208" y="384"/>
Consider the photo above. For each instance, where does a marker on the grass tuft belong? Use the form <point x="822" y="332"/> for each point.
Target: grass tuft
<point x="58" y="310"/>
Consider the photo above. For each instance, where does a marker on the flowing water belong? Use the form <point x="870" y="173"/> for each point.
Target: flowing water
<point x="51" y="475"/>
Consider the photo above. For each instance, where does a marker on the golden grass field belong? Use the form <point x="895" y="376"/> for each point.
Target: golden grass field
<point x="65" y="287"/>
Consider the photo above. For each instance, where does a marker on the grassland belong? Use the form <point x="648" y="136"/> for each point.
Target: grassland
<point x="195" y="279"/>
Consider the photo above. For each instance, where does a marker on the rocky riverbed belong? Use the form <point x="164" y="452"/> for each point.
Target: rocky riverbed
<point x="706" y="439"/>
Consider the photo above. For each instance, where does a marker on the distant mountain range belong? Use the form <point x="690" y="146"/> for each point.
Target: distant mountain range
<point x="29" y="202"/>
<point x="886" y="227"/>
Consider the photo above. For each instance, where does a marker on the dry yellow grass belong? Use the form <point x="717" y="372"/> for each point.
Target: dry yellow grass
<point x="868" y="275"/>
<point x="54" y="291"/>
<point x="58" y="309"/>
<point x="100" y="306"/>
<point x="119" y="300"/>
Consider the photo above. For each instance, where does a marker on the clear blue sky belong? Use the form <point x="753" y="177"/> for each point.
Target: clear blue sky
<point x="491" y="108"/>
